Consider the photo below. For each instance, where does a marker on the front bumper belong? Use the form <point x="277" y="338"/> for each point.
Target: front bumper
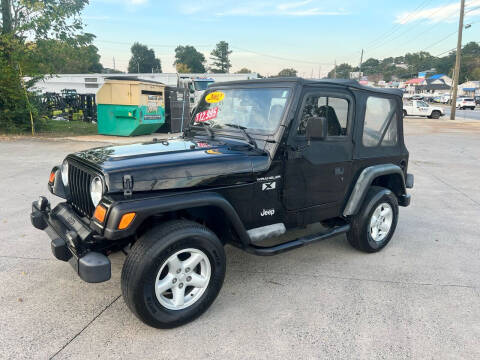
<point x="70" y="238"/>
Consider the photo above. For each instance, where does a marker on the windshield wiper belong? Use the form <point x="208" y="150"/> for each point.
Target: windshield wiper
<point x="246" y="135"/>
<point x="208" y="130"/>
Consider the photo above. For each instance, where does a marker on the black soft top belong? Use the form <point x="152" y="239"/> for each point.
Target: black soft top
<point x="339" y="82"/>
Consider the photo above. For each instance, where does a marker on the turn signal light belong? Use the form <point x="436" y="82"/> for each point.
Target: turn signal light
<point x="100" y="213"/>
<point x="51" y="179"/>
<point x="126" y="220"/>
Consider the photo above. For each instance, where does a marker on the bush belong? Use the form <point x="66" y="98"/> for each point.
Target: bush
<point x="14" y="108"/>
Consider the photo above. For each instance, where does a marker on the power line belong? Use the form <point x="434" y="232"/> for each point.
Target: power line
<point x="397" y="26"/>
<point x="279" y="57"/>
<point x="152" y="45"/>
<point x="408" y="30"/>
<point x="439" y="41"/>
<point x="381" y="39"/>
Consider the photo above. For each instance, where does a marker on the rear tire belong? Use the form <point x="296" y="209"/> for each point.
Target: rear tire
<point x="404" y="113"/>
<point x="173" y="273"/>
<point x="374" y="225"/>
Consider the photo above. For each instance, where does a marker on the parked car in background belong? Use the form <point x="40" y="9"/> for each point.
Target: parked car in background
<point x="466" y="103"/>
<point x="421" y="108"/>
<point x="441" y="99"/>
<point x="417" y="97"/>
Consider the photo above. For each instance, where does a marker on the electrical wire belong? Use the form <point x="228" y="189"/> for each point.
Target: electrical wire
<point x="397" y="26"/>
<point x="279" y="57"/>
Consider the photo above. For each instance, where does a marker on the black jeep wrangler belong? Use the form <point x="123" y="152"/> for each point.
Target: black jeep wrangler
<point x="259" y="163"/>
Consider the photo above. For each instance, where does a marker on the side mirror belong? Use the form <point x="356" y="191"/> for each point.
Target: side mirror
<point x="317" y="128"/>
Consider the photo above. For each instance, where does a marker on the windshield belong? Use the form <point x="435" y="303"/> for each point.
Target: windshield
<point x="257" y="109"/>
<point x="202" y="85"/>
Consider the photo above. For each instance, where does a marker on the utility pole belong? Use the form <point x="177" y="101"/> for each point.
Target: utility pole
<point x="457" y="62"/>
<point x="335" y="70"/>
<point x="319" y="71"/>
<point x="138" y="67"/>
<point x="114" y="63"/>
<point x="360" y="67"/>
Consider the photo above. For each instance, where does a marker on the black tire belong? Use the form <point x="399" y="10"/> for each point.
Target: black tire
<point x="404" y="113"/>
<point x="436" y="114"/>
<point x="359" y="235"/>
<point x="147" y="257"/>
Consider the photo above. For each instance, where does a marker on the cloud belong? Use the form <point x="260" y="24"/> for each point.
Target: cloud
<point x="293" y="5"/>
<point x="444" y="13"/>
<point x="262" y="8"/>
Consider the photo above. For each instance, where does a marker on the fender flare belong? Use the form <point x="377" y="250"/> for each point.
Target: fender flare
<point x="147" y="207"/>
<point x="365" y="180"/>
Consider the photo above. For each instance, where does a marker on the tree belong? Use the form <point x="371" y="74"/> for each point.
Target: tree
<point x="6" y="17"/>
<point x="34" y="20"/>
<point x="221" y="58"/>
<point x="189" y="56"/>
<point x="342" y="71"/>
<point x="371" y="66"/>
<point x="244" y="71"/>
<point x="182" y="68"/>
<point x="143" y="60"/>
<point x="43" y="19"/>
<point x="288" y="73"/>
<point x="68" y="59"/>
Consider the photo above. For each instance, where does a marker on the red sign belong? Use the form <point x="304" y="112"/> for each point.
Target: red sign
<point x="207" y="115"/>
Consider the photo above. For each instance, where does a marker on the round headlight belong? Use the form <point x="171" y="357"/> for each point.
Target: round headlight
<point x="96" y="190"/>
<point x="65" y="172"/>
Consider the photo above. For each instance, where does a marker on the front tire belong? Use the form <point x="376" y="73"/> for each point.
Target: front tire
<point x="374" y="225"/>
<point x="436" y="115"/>
<point x="173" y="273"/>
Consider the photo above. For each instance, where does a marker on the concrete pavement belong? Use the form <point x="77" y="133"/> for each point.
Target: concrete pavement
<point x="419" y="298"/>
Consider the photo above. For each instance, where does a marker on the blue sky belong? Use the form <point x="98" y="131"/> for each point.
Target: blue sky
<point x="308" y="35"/>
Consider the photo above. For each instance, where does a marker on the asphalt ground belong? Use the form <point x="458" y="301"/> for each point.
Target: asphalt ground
<point x="418" y="298"/>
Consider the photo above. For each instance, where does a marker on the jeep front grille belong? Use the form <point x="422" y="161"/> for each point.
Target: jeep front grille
<point x="79" y="185"/>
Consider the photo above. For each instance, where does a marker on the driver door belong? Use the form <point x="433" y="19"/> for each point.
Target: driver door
<point x="318" y="171"/>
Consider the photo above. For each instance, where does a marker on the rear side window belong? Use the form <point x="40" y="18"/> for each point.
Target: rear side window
<point x="380" y="127"/>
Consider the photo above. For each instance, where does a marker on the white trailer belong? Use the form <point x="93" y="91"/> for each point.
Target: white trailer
<point x="91" y="83"/>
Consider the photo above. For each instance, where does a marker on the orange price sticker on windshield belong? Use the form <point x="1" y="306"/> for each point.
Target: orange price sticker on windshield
<point x="214" y="97"/>
<point x="206" y="115"/>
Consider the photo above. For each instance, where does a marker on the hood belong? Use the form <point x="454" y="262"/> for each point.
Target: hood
<point x="175" y="164"/>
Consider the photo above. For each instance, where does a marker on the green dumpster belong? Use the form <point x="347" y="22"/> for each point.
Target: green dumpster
<point x="130" y="107"/>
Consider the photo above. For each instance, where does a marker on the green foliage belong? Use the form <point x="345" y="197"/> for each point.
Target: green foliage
<point x="409" y="65"/>
<point x="67" y="128"/>
<point x="191" y="58"/>
<point x="50" y="26"/>
<point x="221" y="58"/>
<point x="244" y="71"/>
<point x="15" y="109"/>
<point x="68" y="58"/>
<point x="183" y="68"/>
<point x="288" y="73"/>
<point x="46" y="19"/>
<point x="143" y="60"/>
<point x="342" y="71"/>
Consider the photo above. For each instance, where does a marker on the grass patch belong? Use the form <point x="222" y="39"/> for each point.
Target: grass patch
<point x="67" y="128"/>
